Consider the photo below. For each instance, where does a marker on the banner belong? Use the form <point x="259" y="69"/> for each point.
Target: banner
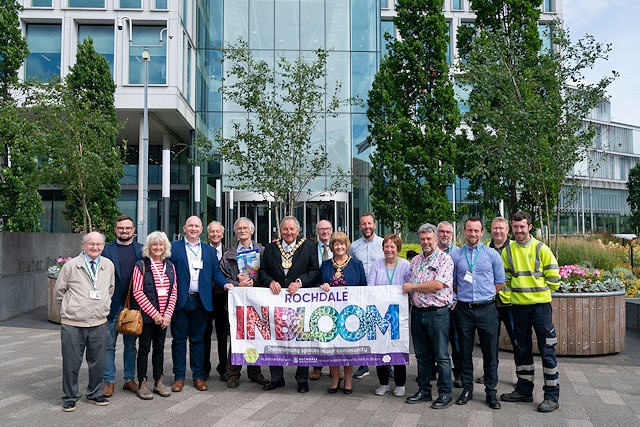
<point x="350" y="325"/>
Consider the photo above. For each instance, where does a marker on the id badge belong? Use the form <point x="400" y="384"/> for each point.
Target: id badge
<point x="468" y="277"/>
<point x="162" y="292"/>
<point x="94" y="294"/>
<point x="197" y="264"/>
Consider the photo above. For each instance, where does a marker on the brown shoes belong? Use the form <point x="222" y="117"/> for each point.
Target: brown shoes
<point x="129" y="385"/>
<point x="177" y="386"/>
<point x="108" y="390"/>
<point x="315" y="374"/>
<point x="200" y="385"/>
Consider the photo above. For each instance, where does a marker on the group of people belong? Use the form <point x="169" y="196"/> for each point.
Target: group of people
<point x="453" y="292"/>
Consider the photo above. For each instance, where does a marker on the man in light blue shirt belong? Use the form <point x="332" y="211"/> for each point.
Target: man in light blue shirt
<point x="477" y="277"/>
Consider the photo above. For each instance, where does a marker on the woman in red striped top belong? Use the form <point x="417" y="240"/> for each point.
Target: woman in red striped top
<point x="155" y="291"/>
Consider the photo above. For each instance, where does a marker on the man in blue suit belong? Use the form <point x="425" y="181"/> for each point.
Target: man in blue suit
<point x="197" y="269"/>
<point x="124" y="253"/>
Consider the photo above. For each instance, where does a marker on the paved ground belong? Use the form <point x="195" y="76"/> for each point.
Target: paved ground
<point x="596" y="391"/>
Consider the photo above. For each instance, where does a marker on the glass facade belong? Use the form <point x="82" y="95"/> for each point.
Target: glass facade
<point x="44" y="42"/>
<point x="130" y="4"/>
<point x="102" y="36"/>
<point x="148" y="36"/>
<point x="87" y="4"/>
<point x="41" y="3"/>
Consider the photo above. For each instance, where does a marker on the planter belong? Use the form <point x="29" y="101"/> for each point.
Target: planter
<point x="633" y="313"/>
<point x="53" y="308"/>
<point x="586" y="324"/>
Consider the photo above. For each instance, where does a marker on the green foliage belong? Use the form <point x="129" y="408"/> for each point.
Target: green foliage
<point x="633" y="199"/>
<point x="78" y="125"/>
<point x="413" y="119"/>
<point x="526" y="124"/>
<point x="581" y="251"/>
<point x="13" y="46"/>
<point x="271" y="150"/>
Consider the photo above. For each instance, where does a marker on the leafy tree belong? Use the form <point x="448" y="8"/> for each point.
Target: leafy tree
<point x="271" y="151"/>
<point x="526" y="122"/>
<point x="20" y="202"/>
<point x="79" y="126"/>
<point x="413" y="119"/>
<point x="633" y="199"/>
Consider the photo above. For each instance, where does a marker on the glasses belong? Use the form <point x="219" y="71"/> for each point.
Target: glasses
<point x="324" y="229"/>
<point x="243" y="228"/>
<point x="93" y="245"/>
<point x="124" y="228"/>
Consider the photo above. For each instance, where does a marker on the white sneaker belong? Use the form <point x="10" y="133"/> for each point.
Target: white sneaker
<point x="398" y="391"/>
<point x="382" y="390"/>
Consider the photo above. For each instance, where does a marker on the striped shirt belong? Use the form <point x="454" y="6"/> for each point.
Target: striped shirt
<point x="161" y="280"/>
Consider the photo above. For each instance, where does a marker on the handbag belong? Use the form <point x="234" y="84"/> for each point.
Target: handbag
<point x="130" y="321"/>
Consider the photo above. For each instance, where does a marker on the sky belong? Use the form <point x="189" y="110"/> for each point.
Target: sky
<point x="618" y="23"/>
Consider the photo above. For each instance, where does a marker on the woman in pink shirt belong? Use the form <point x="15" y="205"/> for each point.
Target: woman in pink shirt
<point x="155" y="291"/>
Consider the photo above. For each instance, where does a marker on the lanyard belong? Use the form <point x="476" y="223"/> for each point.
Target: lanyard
<point x="472" y="264"/>
<point x="431" y="258"/>
<point x="158" y="272"/>
<point x="93" y="277"/>
<point x="195" y="254"/>
<point x="394" y="271"/>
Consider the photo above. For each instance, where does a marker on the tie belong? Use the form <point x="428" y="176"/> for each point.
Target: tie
<point x="287" y="249"/>
<point x="325" y="251"/>
<point x="93" y="267"/>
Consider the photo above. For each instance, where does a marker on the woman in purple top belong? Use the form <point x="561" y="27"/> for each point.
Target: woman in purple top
<point x="391" y="270"/>
<point x="341" y="270"/>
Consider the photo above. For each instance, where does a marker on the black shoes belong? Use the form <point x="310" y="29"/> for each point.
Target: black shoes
<point x="457" y="382"/>
<point x="493" y="403"/>
<point x="334" y="390"/>
<point x="273" y="385"/>
<point x="548" y="406"/>
<point x="514" y="396"/>
<point x="419" y="397"/>
<point x="69" y="406"/>
<point x="442" y="402"/>
<point x="303" y="387"/>
<point x="464" y="398"/>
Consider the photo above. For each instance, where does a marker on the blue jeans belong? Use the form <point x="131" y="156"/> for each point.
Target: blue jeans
<point x="128" y="356"/>
<point x="191" y="322"/>
<point x="430" y="332"/>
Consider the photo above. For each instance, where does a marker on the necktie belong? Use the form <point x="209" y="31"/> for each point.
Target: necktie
<point x="325" y="251"/>
<point x="93" y="267"/>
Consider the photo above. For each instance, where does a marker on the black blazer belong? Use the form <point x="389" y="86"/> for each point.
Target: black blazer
<point x="305" y="266"/>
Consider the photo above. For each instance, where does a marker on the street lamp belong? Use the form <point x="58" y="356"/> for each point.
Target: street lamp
<point x="143" y="157"/>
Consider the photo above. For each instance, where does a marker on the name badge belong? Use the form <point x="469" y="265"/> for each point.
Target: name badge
<point x="197" y="264"/>
<point x="94" y="294"/>
<point x="468" y="277"/>
<point x="162" y="292"/>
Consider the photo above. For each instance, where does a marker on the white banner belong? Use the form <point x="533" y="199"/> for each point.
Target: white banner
<point x="350" y="325"/>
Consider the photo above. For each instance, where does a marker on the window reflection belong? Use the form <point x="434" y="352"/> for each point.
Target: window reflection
<point x="158" y="64"/>
<point x="44" y="42"/>
<point x="102" y="36"/>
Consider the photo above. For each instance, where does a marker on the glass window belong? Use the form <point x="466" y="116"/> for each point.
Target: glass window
<point x="102" y="36"/>
<point x="161" y="4"/>
<point x="148" y="36"/>
<point x="545" y="35"/>
<point x="89" y="4"/>
<point x="363" y="25"/>
<point x="457" y="4"/>
<point x="287" y="24"/>
<point x="209" y="23"/>
<point x="337" y="24"/>
<point x="131" y="4"/>
<point x="187" y="73"/>
<point x="363" y="69"/>
<point x="338" y="72"/>
<point x="236" y="15"/>
<point x="386" y="27"/>
<point x="312" y="25"/>
<point x="261" y="24"/>
<point x="209" y="80"/>
<point x="41" y="3"/>
<point x="44" y="42"/>
<point x="549" y="5"/>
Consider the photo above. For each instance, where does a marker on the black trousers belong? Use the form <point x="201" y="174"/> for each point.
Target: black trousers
<point x="151" y="333"/>
<point x="485" y="320"/>
<point x="220" y="317"/>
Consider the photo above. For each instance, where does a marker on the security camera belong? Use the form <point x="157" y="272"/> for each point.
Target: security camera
<point x="170" y="36"/>
<point x="120" y="27"/>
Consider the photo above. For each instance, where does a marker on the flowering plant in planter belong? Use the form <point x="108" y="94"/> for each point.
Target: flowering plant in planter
<point x="575" y="279"/>
<point x="54" y="270"/>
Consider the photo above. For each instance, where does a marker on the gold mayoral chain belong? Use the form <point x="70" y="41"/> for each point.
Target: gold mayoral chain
<point x="339" y="267"/>
<point x="287" y="263"/>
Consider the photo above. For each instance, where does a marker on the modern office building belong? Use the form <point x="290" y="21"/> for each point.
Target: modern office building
<point x="185" y="74"/>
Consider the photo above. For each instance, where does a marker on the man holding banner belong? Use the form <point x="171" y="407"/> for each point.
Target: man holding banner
<point x="430" y="290"/>
<point x="290" y="263"/>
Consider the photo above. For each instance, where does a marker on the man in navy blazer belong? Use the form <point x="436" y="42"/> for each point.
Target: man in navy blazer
<point x="289" y="263"/>
<point x="197" y="269"/>
<point x="124" y="253"/>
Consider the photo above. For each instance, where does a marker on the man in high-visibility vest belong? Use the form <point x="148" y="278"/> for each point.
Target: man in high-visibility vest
<point x="532" y="274"/>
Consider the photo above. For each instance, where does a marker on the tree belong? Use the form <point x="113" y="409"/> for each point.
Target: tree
<point x="525" y="119"/>
<point x="20" y="202"/>
<point x="79" y="127"/>
<point x="413" y="119"/>
<point x="271" y="150"/>
<point x="633" y="199"/>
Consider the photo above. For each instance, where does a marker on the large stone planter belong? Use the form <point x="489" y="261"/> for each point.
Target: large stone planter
<point x="586" y="324"/>
<point x="53" y="308"/>
<point x="633" y="313"/>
